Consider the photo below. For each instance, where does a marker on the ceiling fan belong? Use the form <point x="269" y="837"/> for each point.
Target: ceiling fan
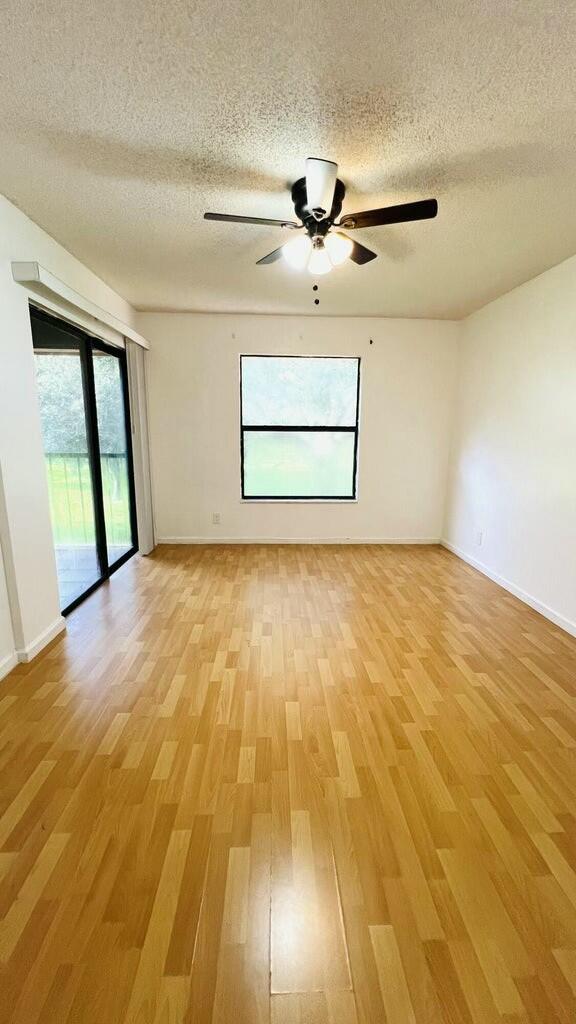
<point x="317" y="202"/>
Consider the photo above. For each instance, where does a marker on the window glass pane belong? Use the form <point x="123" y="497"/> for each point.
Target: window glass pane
<point x="287" y="391"/>
<point x="113" y="454"/>
<point x="61" y="394"/>
<point x="303" y="464"/>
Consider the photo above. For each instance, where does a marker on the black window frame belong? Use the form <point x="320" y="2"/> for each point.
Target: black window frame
<point x="301" y="429"/>
<point x="50" y="332"/>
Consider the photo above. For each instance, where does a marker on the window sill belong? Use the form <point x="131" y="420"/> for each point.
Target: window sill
<point x="298" y="501"/>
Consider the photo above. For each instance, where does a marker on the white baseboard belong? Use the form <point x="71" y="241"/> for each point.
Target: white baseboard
<point x="8" y="663"/>
<point x="298" y="540"/>
<point x="31" y="650"/>
<point x="533" y="602"/>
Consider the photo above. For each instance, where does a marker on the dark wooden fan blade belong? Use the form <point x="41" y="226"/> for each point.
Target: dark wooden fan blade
<point x="251" y="220"/>
<point x="360" y="254"/>
<point x="271" y="257"/>
<point x="422" y="210"/>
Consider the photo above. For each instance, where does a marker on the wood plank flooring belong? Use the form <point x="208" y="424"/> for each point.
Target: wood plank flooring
<point x="291" y="785"/>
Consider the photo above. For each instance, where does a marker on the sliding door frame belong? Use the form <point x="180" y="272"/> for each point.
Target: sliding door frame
<point x="120" y="355"/>
<point x="86" y="343"/>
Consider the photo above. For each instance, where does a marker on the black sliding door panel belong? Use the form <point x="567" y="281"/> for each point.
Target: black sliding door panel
<point x="94" y="450"/>
<point x="65" y="414"/>
<point x="116" y="466"/>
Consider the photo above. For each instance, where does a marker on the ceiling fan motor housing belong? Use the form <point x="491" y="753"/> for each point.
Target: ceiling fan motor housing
<point x="311" y="223"/>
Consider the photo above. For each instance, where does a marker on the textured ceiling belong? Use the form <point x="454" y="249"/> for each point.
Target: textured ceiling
<point x="121" y="122"/>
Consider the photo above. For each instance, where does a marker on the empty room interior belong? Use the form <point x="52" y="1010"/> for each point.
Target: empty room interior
<point x="288" y="512"/>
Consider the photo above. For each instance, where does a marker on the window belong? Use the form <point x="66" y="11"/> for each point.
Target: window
<point x="299" y="427"/>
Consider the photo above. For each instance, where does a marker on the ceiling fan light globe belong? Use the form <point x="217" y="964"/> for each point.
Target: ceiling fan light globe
<point x="319" y="262"/>
<point x="297" y="251"/>
<point x="339" y="247"/>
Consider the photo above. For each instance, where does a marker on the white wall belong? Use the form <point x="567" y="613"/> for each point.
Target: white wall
<point x="29" y="567"/>
<point x="7" y="645"/>
<point x="513" y="467"/>
<point x="408" y="376"/>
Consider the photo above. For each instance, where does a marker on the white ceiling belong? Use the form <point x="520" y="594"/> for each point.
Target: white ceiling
<point x="122" y="122"/>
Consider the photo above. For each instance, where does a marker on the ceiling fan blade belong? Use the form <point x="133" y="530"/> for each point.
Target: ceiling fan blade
<point x="252" y="220"/>
<point x="320" y="185"/>
<point x="422" y="210"/>
<point x="276" y="254"/>
<point x="360" y="254"/>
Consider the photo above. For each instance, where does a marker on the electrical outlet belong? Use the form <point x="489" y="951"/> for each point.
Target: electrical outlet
<point x="216" y="519"/>
<point x="479" y="538"/>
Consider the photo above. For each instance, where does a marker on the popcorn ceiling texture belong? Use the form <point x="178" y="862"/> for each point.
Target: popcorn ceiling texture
<point x="122" y="122"/>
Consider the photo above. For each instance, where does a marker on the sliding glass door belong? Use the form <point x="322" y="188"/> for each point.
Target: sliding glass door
<point x="82" y="386"/>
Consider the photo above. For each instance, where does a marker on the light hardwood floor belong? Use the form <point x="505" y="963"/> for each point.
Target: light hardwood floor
<point x="305" y="785"/>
